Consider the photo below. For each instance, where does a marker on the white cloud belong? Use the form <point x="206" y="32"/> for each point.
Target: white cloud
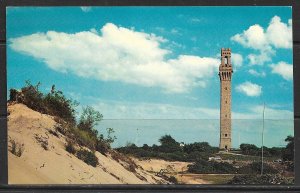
<point x="256" y="73"/>
<point x="279" y="34"/>
<point x="276" y="35"/>
<point x="283" y="69"/>
<point x="86" y="9"/>
<point x="254" y="37"/>
<point x="127" y="110"/>
<point x="118" y="54"/>
<point x="237" y="59"/>
<point x="133" y="110"/>
<point x="249" y="89"/>
<point x="261" y="58"/>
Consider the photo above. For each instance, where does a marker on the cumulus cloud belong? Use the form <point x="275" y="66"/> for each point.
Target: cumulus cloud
<point x="256" y="73"/>
<point x="277" y="35"/>
<point x="237" y="59"/>
<point x="254" y="37"/>
<point x="283" y="69"/>
<point x="249" y="89"/>
<point x="118" y="54"/>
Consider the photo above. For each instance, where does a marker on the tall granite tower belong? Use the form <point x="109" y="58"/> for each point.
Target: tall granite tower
<point x="225" y="73"/>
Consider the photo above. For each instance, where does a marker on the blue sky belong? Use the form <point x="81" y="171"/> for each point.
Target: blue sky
<point x="160" y="63"/>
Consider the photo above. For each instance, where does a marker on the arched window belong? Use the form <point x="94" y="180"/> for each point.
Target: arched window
<point x="226" y="60"/>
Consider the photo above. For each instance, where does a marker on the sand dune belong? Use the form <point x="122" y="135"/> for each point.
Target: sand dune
<point x="155" y="165"/>
<point x="55" y="165"/>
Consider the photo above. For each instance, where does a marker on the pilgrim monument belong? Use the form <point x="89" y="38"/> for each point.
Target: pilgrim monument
<point x="225" y="73"/>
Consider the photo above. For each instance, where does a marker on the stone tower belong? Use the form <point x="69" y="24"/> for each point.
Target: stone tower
<point x="225" y="73"/>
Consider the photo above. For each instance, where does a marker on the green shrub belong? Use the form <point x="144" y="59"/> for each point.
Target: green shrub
<point x="200" y="147"/>
<point x="89" y="119"/>
<point x="70" y="148"/>
<point x="255" y="168"/>
<point x="102" y="146"/>
<point x="32" y="97"/>
<point x="168" y="144"/>
<point x="169" y="149"/>
<point x="57" y="104"/>
<point x="83" y="138"/>
<point x="88" y="157"/>
<point x="251" y="149"/>
<point x="206" y="167"/>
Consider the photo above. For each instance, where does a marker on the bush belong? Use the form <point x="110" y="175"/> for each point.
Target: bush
<point x="200" y="147"/>
<point x="70" y="148"/>
<point x="89" y="119"/>
<point x="103" y="147"/>
<point x="255" y="168"/>
<point x="260" y="179"/>
<point x="83" y="138"/>
<point x="88" y="157"/>
<point x="173" y="180"/>
<point x="196" y="155"/>
<point x="53" y="103"/>
<point x="57" y="104"/>
<point x="168" y="144"/>
<point x="85" y="133"/>
<point x="169" y="149"/>
<point x="16" y="148"/>
<point x="288" y="152"/>
<point x="206" y="167"/>
<point x="250" y="149"/>
<point x="32" y="97"/>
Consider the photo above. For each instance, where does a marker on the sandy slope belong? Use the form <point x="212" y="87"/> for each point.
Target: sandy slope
<point x="155" y="165"/>
<point x="55" y="165"/>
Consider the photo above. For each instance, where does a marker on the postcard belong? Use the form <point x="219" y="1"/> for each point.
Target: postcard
<point x="150" y="95"/>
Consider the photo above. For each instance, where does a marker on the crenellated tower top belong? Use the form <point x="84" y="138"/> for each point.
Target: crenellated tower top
<point x="225" y="68"/>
